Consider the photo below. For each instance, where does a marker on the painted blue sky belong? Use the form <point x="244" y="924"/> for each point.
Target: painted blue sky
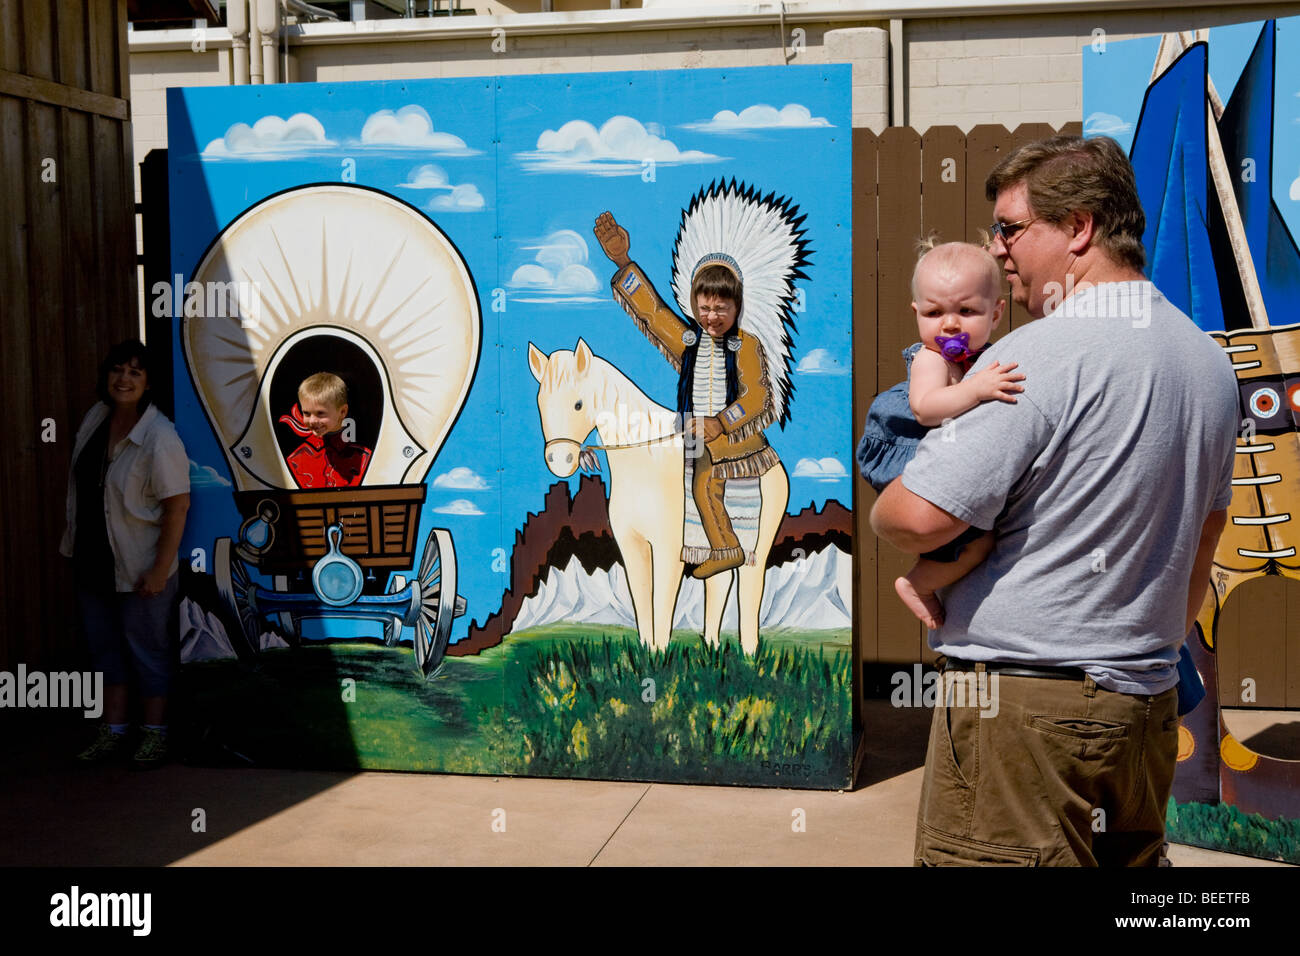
<point x="514" y="170"/>
<point x="1115" y="79"/>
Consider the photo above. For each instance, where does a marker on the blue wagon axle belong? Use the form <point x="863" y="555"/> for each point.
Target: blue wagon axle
<point x="427" y="604"/>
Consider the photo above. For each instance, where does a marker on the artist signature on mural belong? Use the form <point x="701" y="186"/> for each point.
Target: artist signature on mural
<point x="779" y="769"/>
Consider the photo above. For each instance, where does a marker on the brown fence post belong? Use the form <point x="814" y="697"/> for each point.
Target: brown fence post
<point x="924" y="184"/>
<point x="69" y="285"/>
<point x="898" y="634"/>
<point x="866" y="227"/>
<point x="943" y="184"/>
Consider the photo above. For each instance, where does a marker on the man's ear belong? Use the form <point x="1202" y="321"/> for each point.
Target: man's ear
<point x="1080" y="224"/>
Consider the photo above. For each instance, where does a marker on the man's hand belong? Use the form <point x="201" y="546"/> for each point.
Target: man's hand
<point x="707" y="428"/>
<point x="997" y="381"/>
<point x="613" y="239"/>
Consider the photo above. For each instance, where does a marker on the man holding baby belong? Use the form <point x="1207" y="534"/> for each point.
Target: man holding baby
<point x="1106" y="487"/>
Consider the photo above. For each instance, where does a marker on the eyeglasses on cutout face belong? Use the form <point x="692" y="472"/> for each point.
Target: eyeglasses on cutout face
<point x="721" y="311"/>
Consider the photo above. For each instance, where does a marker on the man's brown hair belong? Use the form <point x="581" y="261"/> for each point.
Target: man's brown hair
<point x="1068" y="173"/>
<point x="720" y="281"/>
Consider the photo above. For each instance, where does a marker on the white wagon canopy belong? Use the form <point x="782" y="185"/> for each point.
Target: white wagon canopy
<point x="343" y="279"/>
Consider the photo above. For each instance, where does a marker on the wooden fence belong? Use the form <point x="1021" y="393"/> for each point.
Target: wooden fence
<point x="905" y="186"/>
<point x="67" y="284"/>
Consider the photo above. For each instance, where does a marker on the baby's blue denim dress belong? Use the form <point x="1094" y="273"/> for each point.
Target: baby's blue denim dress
<point x="892" y="432"/>
<point x="889" y="442"/>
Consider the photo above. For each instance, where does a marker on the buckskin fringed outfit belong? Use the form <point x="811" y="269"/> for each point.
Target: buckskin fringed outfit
<point x="726" y="378"/>
<point x="742" y="380"/>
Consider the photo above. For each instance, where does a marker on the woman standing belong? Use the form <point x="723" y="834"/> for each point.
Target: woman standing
<point x="128" y="492"/>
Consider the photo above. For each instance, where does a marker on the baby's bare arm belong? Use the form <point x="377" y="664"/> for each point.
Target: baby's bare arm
<point x="933" y="400"/>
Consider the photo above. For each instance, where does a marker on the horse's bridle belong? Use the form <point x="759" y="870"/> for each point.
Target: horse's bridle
<point x="586" y="456"/>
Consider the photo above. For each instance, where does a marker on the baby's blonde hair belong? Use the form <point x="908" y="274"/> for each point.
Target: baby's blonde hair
<point x="949" y="254"/>
<point x="324" y="387"/>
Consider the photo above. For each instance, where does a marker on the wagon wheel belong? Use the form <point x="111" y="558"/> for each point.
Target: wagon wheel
<point x="235" y="589"/>
<point x="393" y="626"/>
<point x="287" y="620"/>
<point x="437" y="601"/>
<point x="288" y="625"/>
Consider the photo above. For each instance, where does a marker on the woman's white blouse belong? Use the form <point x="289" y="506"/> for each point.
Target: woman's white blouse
<point x="149" y="464"/>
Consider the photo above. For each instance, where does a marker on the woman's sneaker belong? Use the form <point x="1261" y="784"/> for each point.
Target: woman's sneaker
<point x="107" y="746"/>
<point x="152" y="751"/>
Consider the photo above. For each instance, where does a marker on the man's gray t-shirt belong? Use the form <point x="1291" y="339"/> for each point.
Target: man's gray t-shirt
<point x="1096" y="481"/>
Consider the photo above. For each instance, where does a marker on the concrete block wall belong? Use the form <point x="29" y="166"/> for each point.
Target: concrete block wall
<point x="961" y="71"/>
<point x="151" y="75"/>
<point x="964" y="71"/>
<point x="866" y="48"/>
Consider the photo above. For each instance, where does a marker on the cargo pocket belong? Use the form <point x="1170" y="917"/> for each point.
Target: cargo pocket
<point x="934" y="848"/>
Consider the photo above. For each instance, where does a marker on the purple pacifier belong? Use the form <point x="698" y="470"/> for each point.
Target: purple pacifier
<point x="954" y="348"/>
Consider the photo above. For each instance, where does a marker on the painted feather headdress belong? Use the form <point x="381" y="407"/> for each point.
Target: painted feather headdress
<point x="758" y="238"/>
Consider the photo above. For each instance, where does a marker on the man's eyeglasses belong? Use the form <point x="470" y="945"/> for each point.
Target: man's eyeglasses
<point x="1005" y="231"/>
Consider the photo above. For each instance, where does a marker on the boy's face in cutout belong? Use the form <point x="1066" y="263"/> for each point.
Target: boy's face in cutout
<point x="715" y="314"/>
<point x="955" y="298"/>
<point x="320" y="416"/>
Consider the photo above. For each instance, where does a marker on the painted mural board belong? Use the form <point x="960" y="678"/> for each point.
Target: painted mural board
<point x="485" y="562"/>
<point x="1213" y="129"/>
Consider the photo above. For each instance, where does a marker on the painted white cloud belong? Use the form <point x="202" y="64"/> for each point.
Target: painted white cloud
<point x="820" y="469"/>
<point x="462" y="198"/>
<point x="1105" y="124"/>
<point x="820" y="362"/>
<point x="271" y="135"/>
<point x="622" y="146"/>
<point x="460" y="477"/>
<point x="427" y="176"/>
<point x="450" y="197"/>
<point x="410" y="128"/>
<point x="205" y="475"/>
<point x="460" y="506"/>
<point x="1295" y="186"/>
<point x="760" y="116"/>
<point x="559" y="269"/>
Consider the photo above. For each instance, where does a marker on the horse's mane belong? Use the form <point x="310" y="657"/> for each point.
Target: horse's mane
<point x="609" y="389"/>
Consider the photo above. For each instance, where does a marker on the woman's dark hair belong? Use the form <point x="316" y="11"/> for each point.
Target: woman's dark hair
<point x="123" y="353"/>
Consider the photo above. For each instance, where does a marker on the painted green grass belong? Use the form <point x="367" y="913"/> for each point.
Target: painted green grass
<point x="295" y="709"/>
<point x="1225" y="828"/>
<point x="832" y="638"/>
<point x="606" y="706"/>
<point x="565" y="700"/>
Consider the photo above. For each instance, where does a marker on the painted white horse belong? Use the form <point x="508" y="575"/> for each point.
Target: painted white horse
<point x="580" y="392"/>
